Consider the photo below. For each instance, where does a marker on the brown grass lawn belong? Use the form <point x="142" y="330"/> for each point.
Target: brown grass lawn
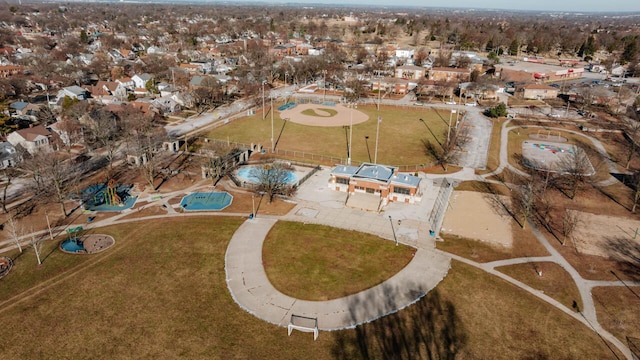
<point x="317" y="262"/>
<point x="617" y="309"/>
<point x="554" y="282"/>
<point x="400" y="141"/>
<point x="160" y="292"/>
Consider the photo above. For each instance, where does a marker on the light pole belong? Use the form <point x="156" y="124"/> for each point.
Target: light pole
<point x="366" y="141"/>
<point x="264" y="82"/>
<point x="449" y="128"/>
<point x="375" y="153"/>
<point x="324" y="84"/>
<point x="393" y="230"/>
<point x="286" y="75"/>
<point x="272" y="145"/>
<point x="352" y="106"/>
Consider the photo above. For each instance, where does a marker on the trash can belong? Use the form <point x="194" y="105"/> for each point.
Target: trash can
<point x="250" y="216"/>
<point x="432" y="233"/>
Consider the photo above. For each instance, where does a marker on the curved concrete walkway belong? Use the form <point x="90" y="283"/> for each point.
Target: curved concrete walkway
<point x="251" y="289"/>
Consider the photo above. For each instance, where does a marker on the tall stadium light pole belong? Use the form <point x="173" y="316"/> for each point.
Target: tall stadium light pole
<point x="272" y="144"/>
<point x="449" y="128"/>
<point x="352" y="105"/>
<point x="375" y="153"/>
<point x="324" y="84"/>
<point x="264" y="82"/>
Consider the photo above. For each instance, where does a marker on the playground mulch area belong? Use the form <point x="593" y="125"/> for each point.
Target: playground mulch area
<point x="343" y="116"/>
<point x="95" y="243"/>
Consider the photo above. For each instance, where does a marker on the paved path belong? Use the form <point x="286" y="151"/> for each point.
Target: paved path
<point x="250" y="288"/>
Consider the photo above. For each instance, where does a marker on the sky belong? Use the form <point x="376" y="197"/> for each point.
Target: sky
<point x="538" y="5"/>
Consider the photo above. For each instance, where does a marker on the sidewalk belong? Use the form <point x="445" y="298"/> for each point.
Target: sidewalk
<point x="251" y="289"/>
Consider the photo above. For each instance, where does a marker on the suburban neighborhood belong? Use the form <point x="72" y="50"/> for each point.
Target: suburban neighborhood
<point x="188" y="180"/>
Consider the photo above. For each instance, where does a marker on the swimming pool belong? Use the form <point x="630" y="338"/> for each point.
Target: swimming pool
<point x="206" y="201"/>
<point x="252" y="174"/>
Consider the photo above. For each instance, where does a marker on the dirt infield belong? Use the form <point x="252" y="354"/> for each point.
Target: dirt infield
<point x="342" y="118"/>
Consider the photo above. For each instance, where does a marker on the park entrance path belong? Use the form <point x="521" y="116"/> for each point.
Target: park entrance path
<point x="251" y="289"/>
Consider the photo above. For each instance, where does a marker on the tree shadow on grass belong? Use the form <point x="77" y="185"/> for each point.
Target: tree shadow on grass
<point x="626" y="251"/>
<point x="428" y="329"/>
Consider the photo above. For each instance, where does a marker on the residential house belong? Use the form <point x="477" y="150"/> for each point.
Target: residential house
<point x="18" y="107"/>
<point x="74" y="92"/>
<point x="405" y="53"/>
<point x="536" y="92"/>
<point x="127" y="83"/>
<point x="140" y="81"/>
<point x="9" y="70"/>
<point x="166" y="105"/>
<point x="382" y="181"/>
<point x="449" y="74"/>
<point x="8" y="155"/>
<point x="410" y="72"/>
<point x="32" y="139"/>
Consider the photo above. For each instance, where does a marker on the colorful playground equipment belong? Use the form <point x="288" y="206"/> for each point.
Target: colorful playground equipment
<point x="111" y="194"/>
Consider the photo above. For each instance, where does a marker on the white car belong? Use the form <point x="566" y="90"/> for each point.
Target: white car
<point x="450" y="103"/>
<point x="471" y="104"/>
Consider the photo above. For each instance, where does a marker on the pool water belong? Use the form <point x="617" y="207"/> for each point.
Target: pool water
<point x="71" y="245"/>
<point x="206" y="201"/>
<point x="251" y="174"/>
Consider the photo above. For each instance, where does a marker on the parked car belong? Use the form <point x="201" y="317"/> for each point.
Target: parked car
<point x="450" y="103"/>
<point x="471" y="104"/>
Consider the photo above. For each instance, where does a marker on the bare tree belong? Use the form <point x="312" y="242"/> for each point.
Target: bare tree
<point x="635" y="183"/>
<point x="37" y="246"/>
<point x="523" y="201"/>
<point x="574" y="168"/>
<point x="570" y="221"/>
<point x="103" y="133"/>
<point x="272" y="179"/>
<point x="52" y="176"/>
<point x="16" y="231"/>
<point x="631" y="134"/>
<point x="8" y="174"/>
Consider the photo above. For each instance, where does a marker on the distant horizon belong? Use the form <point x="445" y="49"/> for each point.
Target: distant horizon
<point x="585" y="6"/>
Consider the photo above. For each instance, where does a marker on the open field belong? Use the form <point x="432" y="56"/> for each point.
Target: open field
<point x="400" y="140"/>
<point x="164" y="283"/>
<point x="317" y="262"/>
<point x="617" y="309"/>
<point x="554" y="282"/>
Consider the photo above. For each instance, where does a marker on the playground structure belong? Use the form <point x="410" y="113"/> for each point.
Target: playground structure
<point x="108" y="197"/>
<point x="111" y="195"/>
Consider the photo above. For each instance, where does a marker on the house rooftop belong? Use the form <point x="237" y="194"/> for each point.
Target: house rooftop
<point x="375" y="172"/>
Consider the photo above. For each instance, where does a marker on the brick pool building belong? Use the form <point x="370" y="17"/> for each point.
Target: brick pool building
<point x="381" y="181"/>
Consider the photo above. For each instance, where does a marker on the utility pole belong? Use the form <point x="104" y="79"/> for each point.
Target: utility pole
<point x="375" y="153"/>
<point x="352" y="105"/>
<point x="272" y="145"/>
<point x="263" y="113"/>
<point x="324" y="84"/>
